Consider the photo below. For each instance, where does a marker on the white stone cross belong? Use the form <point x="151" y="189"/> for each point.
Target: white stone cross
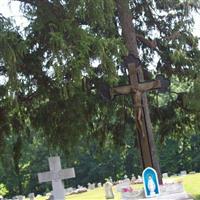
<point x="56" y="175"/>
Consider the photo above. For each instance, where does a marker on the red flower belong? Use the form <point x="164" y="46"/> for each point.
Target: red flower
<point x="127" y="189"/>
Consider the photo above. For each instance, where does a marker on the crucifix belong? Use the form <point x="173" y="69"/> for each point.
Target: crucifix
<point x="137" y="88"/>
<point x="56" y="175"/>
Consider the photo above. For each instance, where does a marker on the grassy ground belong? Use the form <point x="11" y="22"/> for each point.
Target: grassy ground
<point x="98" y="194"/>
<point x="191" y="184"/>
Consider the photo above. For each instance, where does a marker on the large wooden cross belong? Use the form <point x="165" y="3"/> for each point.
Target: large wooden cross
<point x="56" y="175"/>
<point x="138" y="88"/>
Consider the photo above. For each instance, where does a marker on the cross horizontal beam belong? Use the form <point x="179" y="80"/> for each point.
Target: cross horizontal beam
<point x="60" y="175"/>
<point x="141" y="87"/>
<point x="160" y="83"/>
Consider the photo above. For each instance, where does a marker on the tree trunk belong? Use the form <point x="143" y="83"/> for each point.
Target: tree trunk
<point x="147" y="144"/>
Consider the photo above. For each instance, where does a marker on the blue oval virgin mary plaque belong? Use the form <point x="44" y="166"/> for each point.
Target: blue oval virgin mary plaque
<point x="150" y="181"/>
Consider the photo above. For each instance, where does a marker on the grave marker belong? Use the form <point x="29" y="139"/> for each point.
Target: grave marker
<point x="133" y="179"/>
<point x="183" y="173"/>
<point x="56" y="175"/>
<point x="99" y="185"/>
<point x="165" y="175"/>
<point x="108" y="190"/>
<point x="31" y="196"/>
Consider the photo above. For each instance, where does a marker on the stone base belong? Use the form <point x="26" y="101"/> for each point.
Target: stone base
<point x="176" y="196"/>
<point x="172" y="191"/>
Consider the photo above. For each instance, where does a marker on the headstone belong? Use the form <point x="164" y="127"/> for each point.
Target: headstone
<point x="126" y="178"/>
<point x="127" y="192"/>
<point x="139" y="180"/>
<point x="150" y="181"/>
<point x="171" y="188"/>
<point x="110" y="180"/>
<point x="183" y="173"/>
<point x="69" y="190"/>
<point x="89" y="186"/>
<point x="124" y="186"/>
<point x="18" y="197"/>
<point x="139" y="177"/>
<point x="56" y="175"/>
<point x="80" y="189"/>
<point x="31" y="196"/>
<point x="172" y="191"/>
<point x="47" y="195"/>
<point x="165" y="175"/>
<point x="51" y="197"/>
<point x="21" y="197"/>
<point x="99" y="185"/>
<point x="93" y="186"/>
<point x="192" y="172"/>
<point x="133" y="179"/>
<point x="108" y="190"/>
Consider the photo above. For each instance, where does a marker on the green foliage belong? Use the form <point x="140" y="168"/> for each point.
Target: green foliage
<point x="191" y="99"/>
<point x="3" y="189"/>
<point x="183" y="150"/>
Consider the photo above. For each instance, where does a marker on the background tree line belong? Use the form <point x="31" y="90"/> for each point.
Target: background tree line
<point x="50" y="101"/>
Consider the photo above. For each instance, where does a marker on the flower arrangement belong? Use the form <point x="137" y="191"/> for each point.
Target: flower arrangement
<point x="129" y="189"/>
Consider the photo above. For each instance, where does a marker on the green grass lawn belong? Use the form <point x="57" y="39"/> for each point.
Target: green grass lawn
<point x="191" y="184"/>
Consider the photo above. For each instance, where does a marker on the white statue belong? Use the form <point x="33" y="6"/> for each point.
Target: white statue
<point x="108" y="190"/>
<point x="151" y="186"/>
